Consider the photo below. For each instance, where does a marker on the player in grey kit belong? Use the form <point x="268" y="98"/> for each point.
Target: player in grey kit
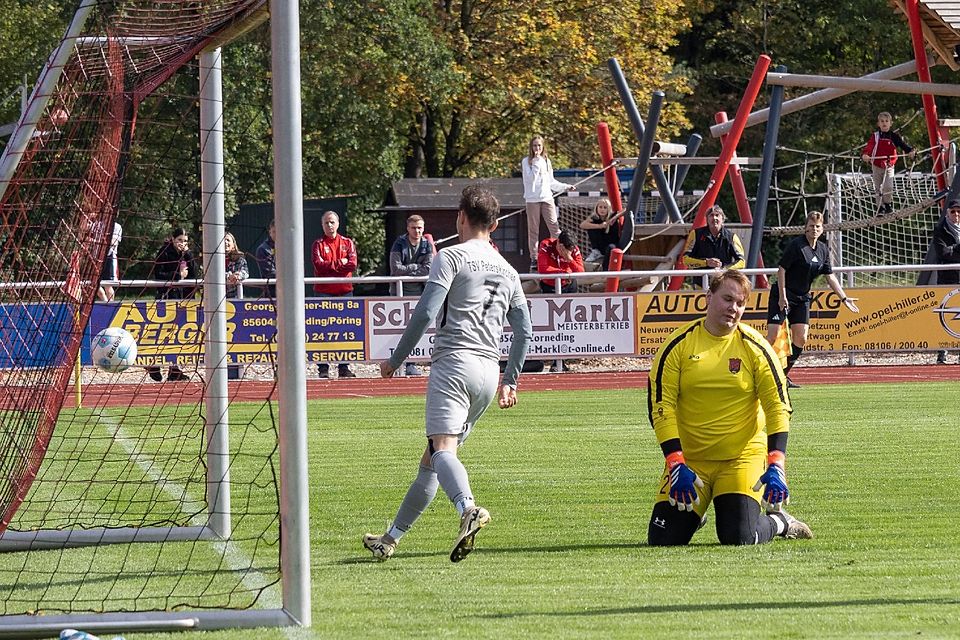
<point x="471" y="291"/>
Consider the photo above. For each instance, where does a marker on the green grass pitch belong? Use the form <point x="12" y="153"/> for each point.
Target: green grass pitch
<point x="569" y="478"/>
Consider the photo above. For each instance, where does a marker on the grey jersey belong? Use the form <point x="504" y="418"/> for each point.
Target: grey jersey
<point x="481" y="286"/>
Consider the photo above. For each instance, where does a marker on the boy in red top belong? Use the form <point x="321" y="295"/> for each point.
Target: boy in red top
<point x="559" y="255"/>
<point x="334" y="256"/>
<point x="881" y="153"/>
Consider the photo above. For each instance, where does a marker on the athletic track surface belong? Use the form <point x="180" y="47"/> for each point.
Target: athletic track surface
<point x="102" y="395"/>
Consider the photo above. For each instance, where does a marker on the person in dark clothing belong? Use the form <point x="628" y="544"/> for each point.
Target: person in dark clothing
<point x="805" y="258"/>
<point x="174" y="262"/>
<point x="266" y="256"/>
<point x="713" y="246"/>
<point x="411" y="255"/>
<point x="946" y="246"/>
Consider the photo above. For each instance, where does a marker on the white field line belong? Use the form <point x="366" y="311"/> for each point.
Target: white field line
<point x="236" y="558"/>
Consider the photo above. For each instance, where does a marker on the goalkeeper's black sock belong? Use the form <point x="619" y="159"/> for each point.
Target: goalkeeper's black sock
<point x="795" y="352"/>
<point x="780" y="523"/>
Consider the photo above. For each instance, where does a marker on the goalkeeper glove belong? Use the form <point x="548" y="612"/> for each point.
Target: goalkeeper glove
<point x="776" y="494"/>
<point x="683" y="483"/>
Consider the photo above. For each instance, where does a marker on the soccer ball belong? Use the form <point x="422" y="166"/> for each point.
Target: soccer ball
<point x="114" y="350"/>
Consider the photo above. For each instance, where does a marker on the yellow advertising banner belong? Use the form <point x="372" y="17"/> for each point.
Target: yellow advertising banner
<point x="890" y="319"/>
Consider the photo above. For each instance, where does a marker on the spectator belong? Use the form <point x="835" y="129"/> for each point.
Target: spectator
<point x="539" y="186"/>
<point x="713" y="246"/>
<point x="174" y="262"/>
<point x="237" y="272"/>
<point x="603" y="230"/>
<point x="556" y="256"/>
<point x="721" y="415"/>
<point x="881" y="153"/>
<point x="411" y="255"/>
<point x="804" y="258"/>
<point x="236" y="266"/>
<point x="946" y="246"/>
<point x="111" y="270"/>
<point x="266" y="256"/>
<point x="334" y="256"/>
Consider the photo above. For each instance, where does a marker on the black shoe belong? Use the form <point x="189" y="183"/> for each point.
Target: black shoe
<point x="155" y="374"/>
<point x="344" y="372"/>
<point x="791" y="384"/>
<point x="175" y="375"/>
<point x="323" y="371"/>
<point x="941" y="357"/>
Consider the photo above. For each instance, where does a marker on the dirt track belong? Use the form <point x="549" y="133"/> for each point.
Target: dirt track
<point x="100" y="395"/>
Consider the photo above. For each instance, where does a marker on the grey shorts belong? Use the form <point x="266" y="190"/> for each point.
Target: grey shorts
<point x="460" y="389"/>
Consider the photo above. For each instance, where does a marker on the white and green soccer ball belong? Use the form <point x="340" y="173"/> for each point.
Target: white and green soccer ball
<point x="114" y="350"/>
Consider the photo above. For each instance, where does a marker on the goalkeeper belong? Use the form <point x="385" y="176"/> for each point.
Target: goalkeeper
<point x="719" y="406"/>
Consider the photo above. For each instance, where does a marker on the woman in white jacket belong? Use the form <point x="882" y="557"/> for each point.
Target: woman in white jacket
<point x="539" y="186"/>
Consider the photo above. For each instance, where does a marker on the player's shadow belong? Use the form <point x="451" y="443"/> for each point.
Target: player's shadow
<point x="721" y="607"/>
<point x="485" y="550"/>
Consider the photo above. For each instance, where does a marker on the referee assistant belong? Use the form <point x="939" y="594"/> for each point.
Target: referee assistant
<point x="718" y="403"/>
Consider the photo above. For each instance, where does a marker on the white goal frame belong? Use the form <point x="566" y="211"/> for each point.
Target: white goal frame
<point x="295" y="602"/>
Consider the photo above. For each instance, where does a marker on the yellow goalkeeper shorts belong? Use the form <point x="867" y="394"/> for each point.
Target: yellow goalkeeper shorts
<point x="719" y="477"/>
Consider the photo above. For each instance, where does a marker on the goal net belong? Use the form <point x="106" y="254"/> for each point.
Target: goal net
<point x="859" y="235"/>
<point x="126" y="502"/>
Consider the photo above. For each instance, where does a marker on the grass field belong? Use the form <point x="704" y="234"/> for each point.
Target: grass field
<point x="569" y="477"/>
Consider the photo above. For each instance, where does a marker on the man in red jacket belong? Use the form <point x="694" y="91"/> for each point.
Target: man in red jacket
<point x="334" y="256"/>
<point x="558" y="256"/>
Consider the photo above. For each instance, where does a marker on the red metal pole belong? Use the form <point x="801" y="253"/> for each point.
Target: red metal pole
<point x="736" y="178"/>
<point x="929" y="104"/>
<point x="740" y="194"/>
<point x="733" y="138"/>
<point x="609" y="175"/>
<point x="616" y="264"/>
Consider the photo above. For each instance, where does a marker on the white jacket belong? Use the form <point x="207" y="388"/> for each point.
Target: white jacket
<point x="538" y="182"/>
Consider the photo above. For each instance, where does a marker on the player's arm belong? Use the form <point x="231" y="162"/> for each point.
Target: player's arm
<point x="426" y="310"/>
<point x="518" y="317"/>
<point x="739" y="260"/>
<point x="771" y="389"/>
<point x="321" y="268"/>
<point x="851" y="303"/>
<point x="689" y="260"/>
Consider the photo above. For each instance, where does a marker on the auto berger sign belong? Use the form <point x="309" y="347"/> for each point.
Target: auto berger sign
<point x="577" y="326"/>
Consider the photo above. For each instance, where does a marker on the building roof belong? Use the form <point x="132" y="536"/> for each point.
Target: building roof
<point x="941" y="27"/>
<point x="444" y="193"/>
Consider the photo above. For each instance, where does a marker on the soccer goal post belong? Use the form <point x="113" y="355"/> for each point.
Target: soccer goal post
<point x="153" y="505"/>
<point x="860" y="234"/>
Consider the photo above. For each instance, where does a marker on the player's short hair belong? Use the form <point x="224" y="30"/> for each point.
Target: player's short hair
<point x="415" y="218"/>
<point x="480" y="206"/>
<point x="816" y="216"/>
<point x="566" y="240"/>
<point x="716" y="209"/>
<point x="884" y="115"/>
<point x="731" y="275"/>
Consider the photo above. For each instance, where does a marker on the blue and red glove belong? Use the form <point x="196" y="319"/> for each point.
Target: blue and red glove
<point x="775" y="494"/>
<point x="683" y="483"/>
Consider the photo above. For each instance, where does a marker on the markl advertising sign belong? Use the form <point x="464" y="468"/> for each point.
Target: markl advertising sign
<point x="575" y="326"/>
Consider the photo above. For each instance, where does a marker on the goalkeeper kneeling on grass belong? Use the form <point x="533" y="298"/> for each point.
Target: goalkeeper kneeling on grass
<point x="719" y="406"/>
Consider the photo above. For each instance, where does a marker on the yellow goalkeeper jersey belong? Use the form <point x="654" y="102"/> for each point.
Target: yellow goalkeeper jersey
<point x="720" y="395"/>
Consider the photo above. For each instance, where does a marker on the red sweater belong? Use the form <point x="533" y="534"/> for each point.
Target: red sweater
<point x="328" y="254"/>
<point x="550" y="261"/>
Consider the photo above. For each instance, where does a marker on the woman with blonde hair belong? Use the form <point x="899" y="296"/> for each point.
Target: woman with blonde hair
<point x="602" y="229"/>
<point x="539" y="185"/>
